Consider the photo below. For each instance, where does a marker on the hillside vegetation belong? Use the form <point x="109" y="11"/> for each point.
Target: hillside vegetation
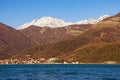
<point x="98" y="44"/>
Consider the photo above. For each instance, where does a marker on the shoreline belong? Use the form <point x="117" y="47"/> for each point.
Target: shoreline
<point x="65" y="64"/>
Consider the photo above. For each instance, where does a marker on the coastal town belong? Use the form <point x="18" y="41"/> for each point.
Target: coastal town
<point x="47" y="61"/>
<point x="36" y="61"/>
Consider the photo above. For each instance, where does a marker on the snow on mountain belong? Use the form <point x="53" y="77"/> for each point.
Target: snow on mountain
<point x="103" y="17"/>
<point x="92" y="20"/>
<point x="46" y="21"/>
<point x="88" y="21"/>
<point x="54" y="22"/>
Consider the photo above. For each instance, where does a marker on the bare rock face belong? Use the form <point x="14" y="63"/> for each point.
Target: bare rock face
<point x="11" y="41"/>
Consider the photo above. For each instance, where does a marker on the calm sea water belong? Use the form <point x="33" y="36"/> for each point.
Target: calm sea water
<point x="60" y="72"/>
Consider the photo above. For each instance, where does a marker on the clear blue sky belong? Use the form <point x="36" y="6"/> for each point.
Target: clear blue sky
<point x="17" y="12"/>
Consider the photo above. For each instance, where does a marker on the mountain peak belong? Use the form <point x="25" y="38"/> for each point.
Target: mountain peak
<point x="46" y="21"/>
<point x="54" y="22"/>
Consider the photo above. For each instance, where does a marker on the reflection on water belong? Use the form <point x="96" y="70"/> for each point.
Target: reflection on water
<point x="59" y="72"/>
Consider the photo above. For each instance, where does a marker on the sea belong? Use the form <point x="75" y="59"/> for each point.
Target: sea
<point x="60" y="72"/>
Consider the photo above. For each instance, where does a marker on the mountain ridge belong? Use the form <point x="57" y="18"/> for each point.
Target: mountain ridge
<point x="98" y="44"/>
<point x="86" y="43"/>
<point x="11" y="41"/>
<point x="54" y="22"/>
<point x="45" y="35"/>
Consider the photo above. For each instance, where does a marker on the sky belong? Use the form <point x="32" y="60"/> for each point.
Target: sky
<point x="17" y="12"/>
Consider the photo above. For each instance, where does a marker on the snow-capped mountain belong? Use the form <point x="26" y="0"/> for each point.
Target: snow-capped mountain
<point x="92" y="20"/>
<point x="46" y="21"/>
<point x="54" y="22"/>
